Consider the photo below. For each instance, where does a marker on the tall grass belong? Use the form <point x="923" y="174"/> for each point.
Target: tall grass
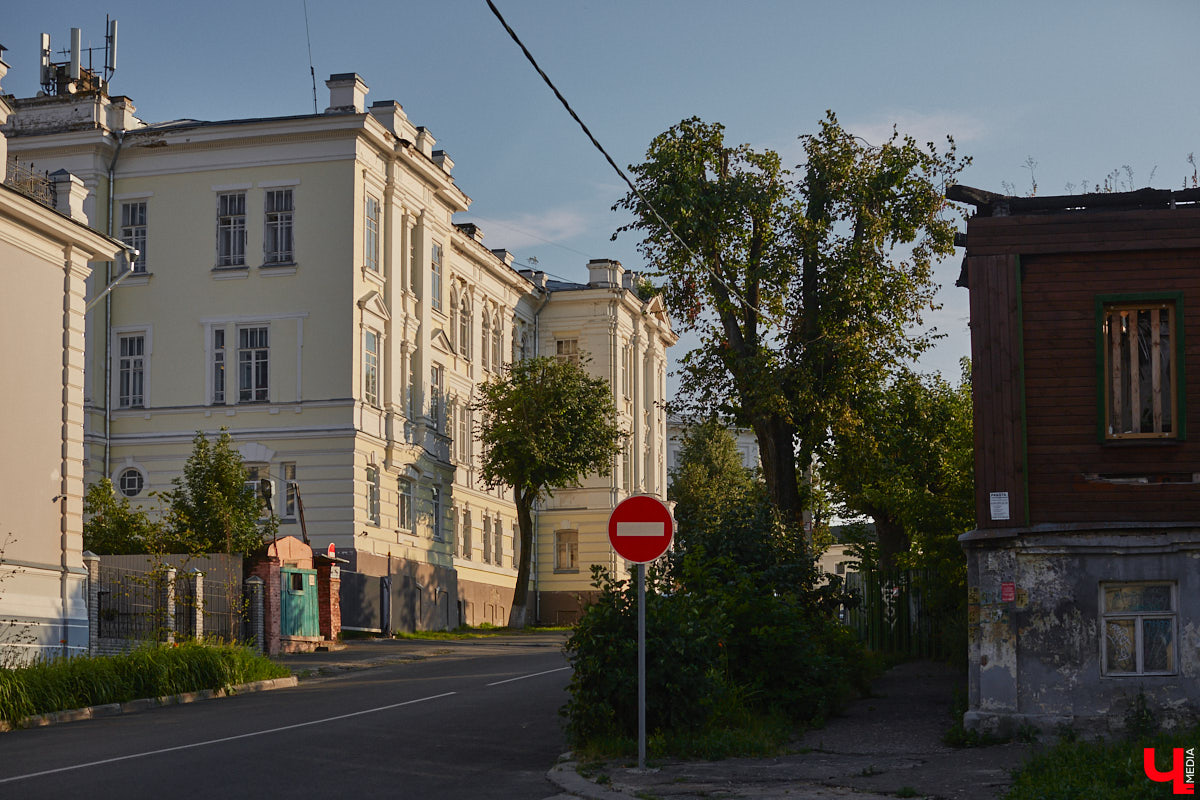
<point x="150" y="671"/>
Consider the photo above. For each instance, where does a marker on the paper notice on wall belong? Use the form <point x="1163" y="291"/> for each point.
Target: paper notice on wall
<point x="999" y="503"/>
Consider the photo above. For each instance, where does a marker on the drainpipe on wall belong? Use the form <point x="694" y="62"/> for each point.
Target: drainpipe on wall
<point x="108" y="277"/>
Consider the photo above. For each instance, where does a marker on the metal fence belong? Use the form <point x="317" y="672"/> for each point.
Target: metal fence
<point x="226" y="610"/>
<point x="130" y="604"/>
<point x="133" y="603"/>
<point x="894" y="614"/>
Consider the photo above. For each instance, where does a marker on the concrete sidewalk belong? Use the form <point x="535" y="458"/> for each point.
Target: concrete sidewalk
<point x="884" y="745"/>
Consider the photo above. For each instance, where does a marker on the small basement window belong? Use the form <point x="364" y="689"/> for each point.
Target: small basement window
<point x="1139" y="628"/>
<point x="1138" y="345"/>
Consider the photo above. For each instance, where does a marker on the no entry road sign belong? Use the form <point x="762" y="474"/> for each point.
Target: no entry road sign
<point x="640" y="528"/>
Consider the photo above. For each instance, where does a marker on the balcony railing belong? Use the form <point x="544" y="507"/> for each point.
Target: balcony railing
<point x="29" y="182"/>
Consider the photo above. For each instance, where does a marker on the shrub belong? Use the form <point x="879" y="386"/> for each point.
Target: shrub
<point x="150" y="671"/>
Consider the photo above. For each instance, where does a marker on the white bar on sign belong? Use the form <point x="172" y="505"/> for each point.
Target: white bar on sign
<point x="641" y="529"/>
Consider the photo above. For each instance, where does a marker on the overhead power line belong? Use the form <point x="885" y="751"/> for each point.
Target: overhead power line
<point x="595" y="143"/>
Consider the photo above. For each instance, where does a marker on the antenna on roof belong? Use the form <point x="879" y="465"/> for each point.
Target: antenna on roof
<point x="71" y="76"/>
<point x="110" y="48"/>
<point x="311" y="71"/>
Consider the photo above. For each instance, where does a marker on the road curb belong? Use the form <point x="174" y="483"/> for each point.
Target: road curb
<point x="565" y="775"/>
<point x="144" y="704"/>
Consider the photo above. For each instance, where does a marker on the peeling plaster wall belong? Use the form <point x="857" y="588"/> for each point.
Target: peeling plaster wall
<point x="1035" y="650"/>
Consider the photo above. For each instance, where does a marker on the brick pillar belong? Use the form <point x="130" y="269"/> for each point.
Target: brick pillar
<point x="254" y="585"/>
<point x="197" y="579"/>
<point x="268" y="570"/>
<point x="168" y="604"/>
<point x="329" y="586"/>
<point x="92" y="562"/>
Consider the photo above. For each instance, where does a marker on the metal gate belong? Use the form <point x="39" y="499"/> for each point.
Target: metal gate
<point x="298" y="608"/>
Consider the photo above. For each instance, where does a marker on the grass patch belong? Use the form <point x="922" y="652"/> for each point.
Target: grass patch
<point x="1099" y="770"/>
<point x="751" y="736"/>
<point x="484" y="631"/>
<point x="149" y="671"/>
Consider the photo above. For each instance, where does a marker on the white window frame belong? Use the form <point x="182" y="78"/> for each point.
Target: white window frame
<point x="466" y="535"/>
<point x="372" y="480"/>
<point x="220" y="372"/>
<point x="231" y="229"/>
<point x="404" y="504"/>
<point x="371" y="214"/>
<point x="464" y="326"/>
<point x="567" y="350"/>
<point x="257" y="356"/>
<point x="566" y="550"/>
<point x="129" y="472"/>
<point x="371" y="374"/>
<point x="135" y="366"/>
<point x="1152" y="400"/>
<point x="278" y="228"/>
<point x="487" y="538"/>
<point x="498" y="545"/>
<point x="288" y="494"/>
<point x="435" y="276"/>
<point x="133" y="231"/>
<point x="1138" y="617"/>
<point x="438" y="522"/>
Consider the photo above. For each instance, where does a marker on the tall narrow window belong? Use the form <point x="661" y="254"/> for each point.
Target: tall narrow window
<point x="487" y="539"/>
<point x="231" y="229"/>
<point x="289" y="490"/>
<point x="466" y="535"/>
<point x="218" y="395"/>
<point x="277" y="233"/>
<point x="626" y="359"/>
<point x="464" y="327"/>
<point x="1140" y="370"/>
<point x="371" y="367"/>
<point x="437" y="513"/>
<point x="498" y="547"/>
<point x="373" y="495"/>
<point x="371" y="234"/>
<point x="567" y="350"/>
<point x="452" y="329"/>
<point x="566" y="551"/>
<point x="435" y="276"/>
<point x="133" y="231"/>
<point x="516" y="548"/>
<point x="463" y="434"/>
<point x="131" y="371"/>
<point x="253" y="365"/>
<point x="497" y="337"/>
<point x="405" y="506"/>
<point x="412" y="260"/>
<point x="627" y="465"/>
<point x="485" y="341"/>
<point x="437" y="383"/>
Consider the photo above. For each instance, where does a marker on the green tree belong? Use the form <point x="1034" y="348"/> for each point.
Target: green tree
<point x="708" y="479"/>
<point x="544" y="423"/>
<point x="905" y="458"/>
<point x="802" y="289"/>
<point x="113" y="526"/>
<point x="210" y="509"/>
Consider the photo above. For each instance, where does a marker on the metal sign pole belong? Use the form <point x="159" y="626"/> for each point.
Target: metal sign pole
<point x="641" y="580"/>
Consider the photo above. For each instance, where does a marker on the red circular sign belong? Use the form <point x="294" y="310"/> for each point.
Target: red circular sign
<point x="640" y="528"/>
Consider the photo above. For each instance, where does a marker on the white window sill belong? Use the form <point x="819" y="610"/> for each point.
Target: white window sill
<point x="374" y="276"/>
<point x="276" y="270"/>
<point x="230" y="273"/>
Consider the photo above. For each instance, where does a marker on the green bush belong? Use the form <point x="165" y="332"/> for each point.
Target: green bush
<point x="725" y="649"/>
<point x="150" y="671"/>
<point x="1098" y="770"/>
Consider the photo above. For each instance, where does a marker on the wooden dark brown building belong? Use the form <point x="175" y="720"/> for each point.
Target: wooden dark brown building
<point x="1084" y="570"/>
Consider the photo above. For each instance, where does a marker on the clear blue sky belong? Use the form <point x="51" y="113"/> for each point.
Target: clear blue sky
<point x="1083" y="88"/>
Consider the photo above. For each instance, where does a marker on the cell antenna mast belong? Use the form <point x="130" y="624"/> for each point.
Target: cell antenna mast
<point x="311" y="71"/>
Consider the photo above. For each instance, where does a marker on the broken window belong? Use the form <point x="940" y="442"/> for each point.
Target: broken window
<point x="1138" y="343"/>
<point x="1139" y="628"/>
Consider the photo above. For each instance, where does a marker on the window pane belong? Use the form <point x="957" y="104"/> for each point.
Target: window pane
<point x="1119" y="645"/>
<point x="1158" y="645"/>
<point x="1137" y="598"/>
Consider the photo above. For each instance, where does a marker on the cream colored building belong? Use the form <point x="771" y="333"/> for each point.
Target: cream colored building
<point x="303" y="284"/>
<point x="45" y="247"/>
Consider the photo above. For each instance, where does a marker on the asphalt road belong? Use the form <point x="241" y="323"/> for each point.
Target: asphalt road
<point x="479" y="722"/>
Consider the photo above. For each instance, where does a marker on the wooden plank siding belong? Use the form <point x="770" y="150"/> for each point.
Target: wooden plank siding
<point x="1067" y="260"/>
<point x="996" y="381"/>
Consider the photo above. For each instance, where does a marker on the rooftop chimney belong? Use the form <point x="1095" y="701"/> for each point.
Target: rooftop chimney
<point x="69" y="195"/>
<point x="442" y="160"/>
<point x="425" y="141"/>
<point x="347" y="93"/>
<point x="604" y="273"/>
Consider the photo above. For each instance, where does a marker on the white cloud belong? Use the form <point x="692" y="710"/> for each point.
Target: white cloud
<point x="531" y="230"/>
<point x="924" y="127"/>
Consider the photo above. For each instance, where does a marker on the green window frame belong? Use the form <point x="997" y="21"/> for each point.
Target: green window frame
<point x="1153" y="404"/>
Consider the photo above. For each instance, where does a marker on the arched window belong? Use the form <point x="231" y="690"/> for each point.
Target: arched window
<point x="457" y="344"/>
<point x="464" y="326"/>
<point x="485" y="339"/>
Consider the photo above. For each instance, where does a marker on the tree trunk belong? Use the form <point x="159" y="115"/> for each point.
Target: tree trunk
<point x="517" y="615"/>
<point x="892" y="540"/>
<point x="776" y="445"/>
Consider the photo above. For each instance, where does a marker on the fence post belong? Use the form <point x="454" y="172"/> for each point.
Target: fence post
<point x="168" y="602"/>
<point x="255" y="585"/>
<point x="197" y="578"/>
<point x="92" y="563"/>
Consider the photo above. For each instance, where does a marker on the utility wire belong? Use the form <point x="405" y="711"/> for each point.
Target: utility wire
<point x="633" y="188"/>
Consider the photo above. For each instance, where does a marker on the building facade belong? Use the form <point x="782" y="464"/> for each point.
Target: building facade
<point x="45" y="250"/>
<point x="1083" y="588"/>
<point x="303" y="284"/>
